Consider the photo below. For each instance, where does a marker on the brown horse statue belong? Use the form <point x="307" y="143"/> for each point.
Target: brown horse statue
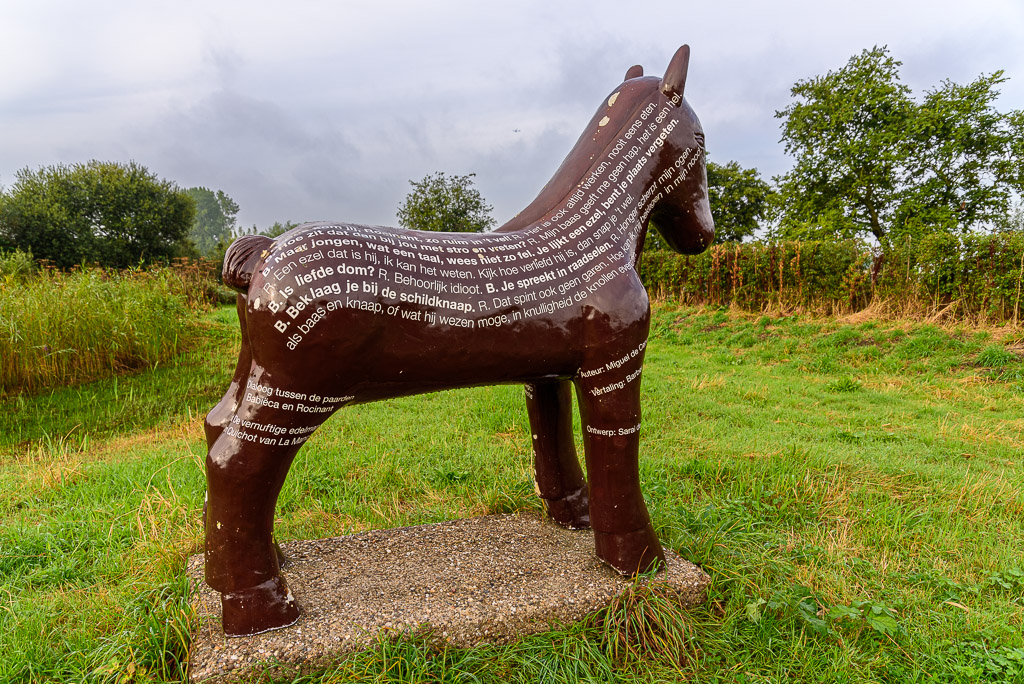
<point x="334" y="314"/>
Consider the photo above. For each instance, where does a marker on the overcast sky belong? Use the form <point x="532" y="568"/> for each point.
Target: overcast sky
<point x="325" y="110"/>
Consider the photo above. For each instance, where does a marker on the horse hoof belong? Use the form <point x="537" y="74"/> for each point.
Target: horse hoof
<point x="259" y="609"/>
<point x="631" y="553"/>
<point x="572" y="510"/>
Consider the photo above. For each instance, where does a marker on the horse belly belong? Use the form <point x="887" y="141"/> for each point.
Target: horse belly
<point x="372" y="356"/>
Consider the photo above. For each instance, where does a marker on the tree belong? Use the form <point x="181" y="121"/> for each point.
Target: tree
<point x="444" y="203"/>
<point x="278" y="228"/>
<point x="273" y="231"/>
<point x="740" y="201"/>
<point x="104" y="212"/>
<point x="871" y="160"/>
<point x="214" y="223"/>
<point x="968" y="159"/>
<point x="217" y="256"/>
<point x="847" y="134"/>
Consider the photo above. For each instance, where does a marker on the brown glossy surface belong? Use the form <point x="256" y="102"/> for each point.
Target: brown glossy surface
<point x="334" y="314"/>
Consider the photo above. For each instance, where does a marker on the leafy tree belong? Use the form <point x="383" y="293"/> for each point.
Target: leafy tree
<point x="1012" y="221"/>
<point x="104" y="212"/>
<point x="273" y="231"/>
<point x="214" y="223"/>
<point x="278" y="228"/>
<point x="848" y="135"/>
<point x="445" y="203"/>
<point x="967" y="160"/>
<point x="217" y="256"/>
<point x="870" y="159"/>
<point x="740" y="200"/>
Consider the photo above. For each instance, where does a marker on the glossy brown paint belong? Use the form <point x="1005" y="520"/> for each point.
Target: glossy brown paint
<point x="338" y="314"/>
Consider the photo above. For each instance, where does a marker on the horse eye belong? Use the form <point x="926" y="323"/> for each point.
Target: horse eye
<point x="699" y="136"/>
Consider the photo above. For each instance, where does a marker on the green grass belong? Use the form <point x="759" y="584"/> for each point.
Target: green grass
<point x="854" y="489"/>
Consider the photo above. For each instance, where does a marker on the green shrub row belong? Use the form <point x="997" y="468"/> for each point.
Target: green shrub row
<point x="975" y="275"/>
<point x="63" y="327"/>
<point x="756" y="274"/>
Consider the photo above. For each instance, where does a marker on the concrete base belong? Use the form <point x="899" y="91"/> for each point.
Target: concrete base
<point x="482" y="580"/>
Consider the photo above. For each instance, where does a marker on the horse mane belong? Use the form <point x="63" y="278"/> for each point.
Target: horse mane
<point x="592" y="146"/>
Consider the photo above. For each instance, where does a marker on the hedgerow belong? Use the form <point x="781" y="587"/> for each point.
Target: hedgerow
<point x="974" y="276"/>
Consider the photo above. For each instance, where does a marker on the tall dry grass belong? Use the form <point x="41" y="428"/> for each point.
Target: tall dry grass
<point x="65" y="327"/>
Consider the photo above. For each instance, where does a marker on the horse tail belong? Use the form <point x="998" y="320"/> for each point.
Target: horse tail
<point x="241" y="259"/>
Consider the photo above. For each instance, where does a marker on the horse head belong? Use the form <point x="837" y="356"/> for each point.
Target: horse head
<point x="683" y="216"/>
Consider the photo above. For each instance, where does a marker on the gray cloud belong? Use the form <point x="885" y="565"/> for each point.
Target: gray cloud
<point x="326" y="110"/>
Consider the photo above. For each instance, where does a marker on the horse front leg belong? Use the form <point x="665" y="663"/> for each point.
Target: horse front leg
<point x="559" y="479"/>
<point x="610" y="417"/>
<point x="245" y="470"/>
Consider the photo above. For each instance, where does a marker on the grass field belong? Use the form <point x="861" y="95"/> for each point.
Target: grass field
<point x="854" y="489"/>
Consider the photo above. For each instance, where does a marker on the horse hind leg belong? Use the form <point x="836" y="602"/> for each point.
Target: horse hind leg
<point x="220" y="416"/>
<point x="245" y="470"/>
<point x="559" y="479"/>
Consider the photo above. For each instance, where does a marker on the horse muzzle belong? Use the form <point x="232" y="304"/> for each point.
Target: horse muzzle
<point x="686" y="232"/>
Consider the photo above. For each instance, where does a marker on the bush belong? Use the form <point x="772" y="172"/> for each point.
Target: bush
<point x="980" y="273"/>
<point x="16" y="266"/>
<point x="754" y="275"/>
<point x="104" y="212"/>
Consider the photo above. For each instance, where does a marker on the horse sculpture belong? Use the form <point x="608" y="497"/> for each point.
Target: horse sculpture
<point x="337" y="314"/>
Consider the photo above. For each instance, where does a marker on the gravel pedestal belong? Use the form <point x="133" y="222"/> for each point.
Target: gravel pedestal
<point x="482" y="580"/>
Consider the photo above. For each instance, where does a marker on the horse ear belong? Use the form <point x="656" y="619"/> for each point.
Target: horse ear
<point x="635" y="71"/>
<point x="675" y="76"/>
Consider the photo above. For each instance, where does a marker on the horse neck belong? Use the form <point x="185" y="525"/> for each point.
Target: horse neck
<point x="611" y="120"/>
<point x="602" y="215"/>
